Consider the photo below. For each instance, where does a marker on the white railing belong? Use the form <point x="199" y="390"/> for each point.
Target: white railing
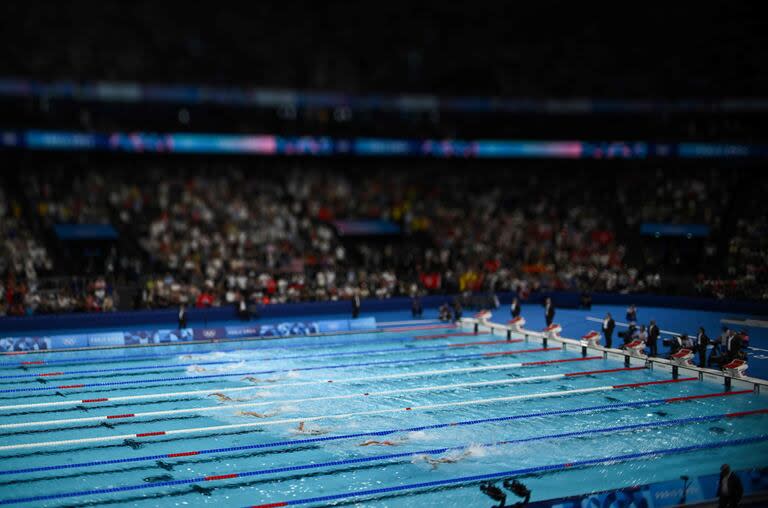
<point x="585" y="348"/>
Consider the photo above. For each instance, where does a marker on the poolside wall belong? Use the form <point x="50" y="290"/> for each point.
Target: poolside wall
<point x="40" y="340"/>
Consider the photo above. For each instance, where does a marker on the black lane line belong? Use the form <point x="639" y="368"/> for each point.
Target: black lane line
<point x="238" y="485"/>
<point x="69" y="377"/>
<point x="154" y="466"/>
<point x="123" y="444"/>
<point x="122" y="389"/>
<point x="86" y="408"/>
<point x="98" y="425"/>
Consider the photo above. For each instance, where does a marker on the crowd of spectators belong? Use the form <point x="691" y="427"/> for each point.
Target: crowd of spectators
<point x="23" y="259"/>
<point x="216" y="234"/>
<point x="27" y="284"/>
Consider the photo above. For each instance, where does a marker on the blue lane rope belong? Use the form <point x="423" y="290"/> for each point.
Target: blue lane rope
<point x="192" y="379"/>
<point x="225" y="362"/>
<point x="433" y="451"/>
<point x="378" y="433"/>
<point x="517" y="472"/>
<point x="233" y="347"/>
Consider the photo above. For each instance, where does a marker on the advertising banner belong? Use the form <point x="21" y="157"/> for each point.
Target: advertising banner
<point x="165" y="336"/>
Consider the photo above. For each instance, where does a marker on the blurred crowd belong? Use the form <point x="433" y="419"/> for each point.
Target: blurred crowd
<point x="223" y="233"/>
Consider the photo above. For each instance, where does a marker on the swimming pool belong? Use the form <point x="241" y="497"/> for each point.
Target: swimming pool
<point x="410" y="416"/>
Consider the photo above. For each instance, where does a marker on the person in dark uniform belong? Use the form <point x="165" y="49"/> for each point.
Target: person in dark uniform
<point x="445" y="313"/>
<point x="549" y="311"/>
<point x="702" y="341"/>
<point x="457" y="310"/>
<point x="182" y="316"/>
<point x="608" y="325"/>
<point x="416" y="308"/>
<point x="632" y="313"/>
<point x="677" y="343"/>
<point x="733" y="346"/>
<point x="729" y="488"/>
<point x="718" y="353"/>
<point x="629" y="335"/>
<point x="514" y="309"/>
<point x="355" y="305"/>
<point x="653" y="338"/>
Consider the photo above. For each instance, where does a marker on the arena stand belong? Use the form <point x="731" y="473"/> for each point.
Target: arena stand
<point x="211" y="233"/>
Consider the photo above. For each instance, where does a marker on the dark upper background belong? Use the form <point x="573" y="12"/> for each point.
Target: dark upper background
<point x="249" y="227"/>
<point x="543" y="48"/>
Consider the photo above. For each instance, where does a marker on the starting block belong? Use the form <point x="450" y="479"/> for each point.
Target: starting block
<point x="483" y="315"/>
<point x="517" y="324"/>
<point x="735" y="368"/>
<point x="636" y="348"/>
<point x="682" y="357"/>
<point x="591" y="339"/>
<point x="553" y="331"/>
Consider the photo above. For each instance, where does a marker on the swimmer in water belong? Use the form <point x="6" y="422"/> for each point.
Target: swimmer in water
<point x="435" y="463"/>
<point x="258" y="380"/>
<point x="257" y="415"/>
<point x="377" y="443"/>
<point x="197" y="368"/>
<point x="372" y="442"/>
<point x="226" y="398"/>
<point x="301" y="429"/>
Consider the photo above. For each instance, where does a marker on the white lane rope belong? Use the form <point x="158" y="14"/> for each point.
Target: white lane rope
<point x="228" y="407"/>
<point x="265" y="385"/>
<point x="228" y="427"/>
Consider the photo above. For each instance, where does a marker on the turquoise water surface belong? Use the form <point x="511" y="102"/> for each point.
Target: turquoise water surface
<point x="222" y="424"/>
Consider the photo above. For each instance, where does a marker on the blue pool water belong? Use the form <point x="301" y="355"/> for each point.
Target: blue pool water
<point x="173" y="425"/>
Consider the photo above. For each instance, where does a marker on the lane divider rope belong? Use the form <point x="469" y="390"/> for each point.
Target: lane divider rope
<point x="386" y="432"/>
<point x="193" y="342"/>
<point x="182" y="366"/>
<point x="84" y="360"/>
<point x="199" y="410"/>
<point x="376" y="458"/>
<point x="214" y="340"/>
<point x="403" y="329"/>
<point x="515" y="472"/>
<point x="192" y="379"/>
<point x="449" y="335"/>
<point x="400" y="375"/>
<point x="218" y="428"/>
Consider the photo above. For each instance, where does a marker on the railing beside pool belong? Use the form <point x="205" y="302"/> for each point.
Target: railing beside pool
<point x="481" y="322"/>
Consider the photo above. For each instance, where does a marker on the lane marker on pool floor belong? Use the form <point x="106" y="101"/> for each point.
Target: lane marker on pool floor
<point x="387" y="432"/>
<point x="259" y="346"/>
<point x="400" y="375"/>
<point x="400" y="455"/>
<point x="183" y="366"/>
<point x="192" y="379"/>
<point x="429" y="388"/>
<point x="216" y="428"/>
